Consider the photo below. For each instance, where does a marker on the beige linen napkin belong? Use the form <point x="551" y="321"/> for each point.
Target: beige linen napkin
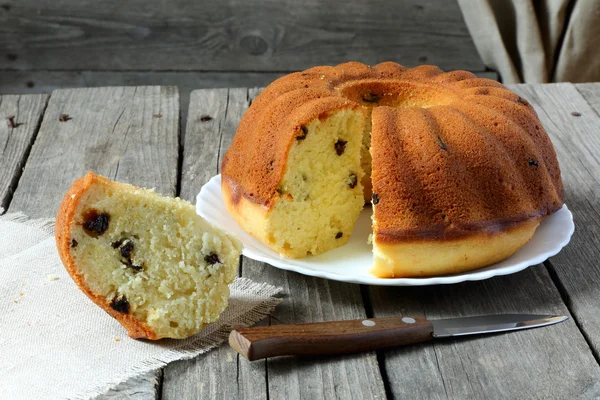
<point x="55" y="343"/>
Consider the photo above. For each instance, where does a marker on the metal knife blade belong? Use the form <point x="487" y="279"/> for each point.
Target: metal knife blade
<point x="339" y="337"/>
<point x="491" y="323"/>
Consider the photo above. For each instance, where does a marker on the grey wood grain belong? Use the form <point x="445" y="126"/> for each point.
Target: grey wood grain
<point x="577" y="144"/>
<point x="213" y="118"/>
<point x="481" y="366"/>
<point x="31" y="82"/>
<point x="312" y="300"/>
<point x="307" y="299"/>
<point x="16" y="138"/>
<point x="128" y="134"/>
<point x="591" y="93"/>
<point x="234" y="35"/>
<point x="25" y="82"/>
<point x="523" y="364"/>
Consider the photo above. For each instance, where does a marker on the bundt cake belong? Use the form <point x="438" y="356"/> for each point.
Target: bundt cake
<point x="147" y="260"/>
<point x="458" y="169"/>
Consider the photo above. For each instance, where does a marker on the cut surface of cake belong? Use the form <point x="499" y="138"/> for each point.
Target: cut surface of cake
<point x="148" y="260"/>
<point x="459" y="169"/>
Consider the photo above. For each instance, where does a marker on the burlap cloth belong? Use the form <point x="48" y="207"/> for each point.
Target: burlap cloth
<point x="55" y="343"/>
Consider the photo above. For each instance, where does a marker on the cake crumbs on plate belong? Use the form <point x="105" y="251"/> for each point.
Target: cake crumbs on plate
<point x="116" y="339"/>
<point x="52" y="277"/>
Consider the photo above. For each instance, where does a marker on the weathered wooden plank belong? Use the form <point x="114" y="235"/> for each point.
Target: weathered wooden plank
<point x="256" y="35"/>
<point x="213" y="118"/>
<point x="524" y="364"/>
<point x="30" y="82"/>
<point x="308" y="299"/>
<point x="20" y="118"/>
<point x="591" y="93"/>
<point x="311" y="300"/>
<point x="18" y="82"/>
<point x="577" y="144"/>
<point x="26" y="82"/>
<point x="481" y="366"/>
<point x="128" y="134"/>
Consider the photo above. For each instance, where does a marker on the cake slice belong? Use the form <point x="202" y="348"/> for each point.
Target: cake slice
<point x="149" y="261"/>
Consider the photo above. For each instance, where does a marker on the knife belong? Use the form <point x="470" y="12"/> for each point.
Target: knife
<point x="341" y="337"/>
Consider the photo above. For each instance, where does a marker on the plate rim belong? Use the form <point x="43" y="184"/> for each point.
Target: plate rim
<point x="375" y="281"/>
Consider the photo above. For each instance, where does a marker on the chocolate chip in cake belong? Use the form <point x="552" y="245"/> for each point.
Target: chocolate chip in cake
<point x="576" y="114"/>
<point x="136" y="268"/>
<point x="339" y="235"/>
<point x="442" y="143"/>
<point x="206" y="118"/>
<point x="117" y="244"/>
<point x="375" y="198"/>
<point x="120" y="304"/>
<point x="96" y="223"/>
<point x="304" y="132"/>
<point x="340" y="146"/>
<point x="74" y="243"/>
<point x="64" y="118"/>
<point x="212" y="258"/>
<point x="352" y="180"/>
<point x="533" y="163"/>
<point x="370" y="98"/>
<point x="126" y="249"/>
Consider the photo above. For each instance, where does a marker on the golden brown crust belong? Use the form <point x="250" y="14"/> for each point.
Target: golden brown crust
<point x="434" y="257"/>
<point x="454" y="155"/>
<point x="451" y="171"/>
<point x="64" y="218"/>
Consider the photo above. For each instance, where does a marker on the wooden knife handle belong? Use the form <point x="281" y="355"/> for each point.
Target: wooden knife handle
<point x="337" y="337"/>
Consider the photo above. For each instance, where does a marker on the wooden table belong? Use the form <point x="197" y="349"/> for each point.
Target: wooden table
<point x="132" y="134"/>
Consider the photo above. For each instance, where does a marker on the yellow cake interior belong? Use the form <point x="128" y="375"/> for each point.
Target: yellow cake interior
<point x="157" y="258"/>
<point x="322" y="183"/>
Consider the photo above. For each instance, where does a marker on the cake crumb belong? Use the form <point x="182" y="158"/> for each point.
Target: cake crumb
<point x="576" y="114"/>
<point x="21" y="294"/>
<point x="52" y="277"/>
<point x="116" y="339"/>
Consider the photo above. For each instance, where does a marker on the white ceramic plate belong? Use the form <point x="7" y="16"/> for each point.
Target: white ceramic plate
<point x="351" y="262"/>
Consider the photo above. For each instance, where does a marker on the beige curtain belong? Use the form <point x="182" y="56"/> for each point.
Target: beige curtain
<point x="537" y="41"/>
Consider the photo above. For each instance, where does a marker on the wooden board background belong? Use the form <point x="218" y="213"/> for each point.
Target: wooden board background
<point x="114" y="130"/>
<point x="231" y="35"/>
<point x="193" y="44"/>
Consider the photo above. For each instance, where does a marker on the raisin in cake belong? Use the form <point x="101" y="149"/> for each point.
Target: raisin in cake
<point x="459" y="168"/>
<point x="149" y="261"/>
